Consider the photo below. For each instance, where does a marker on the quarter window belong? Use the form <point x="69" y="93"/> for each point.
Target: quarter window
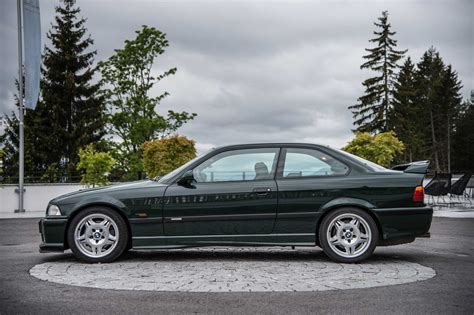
<point x="238" y="165"/>
<point x="310" y="162"/>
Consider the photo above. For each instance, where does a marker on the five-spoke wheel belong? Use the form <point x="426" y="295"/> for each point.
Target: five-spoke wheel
<point x="97" y="235"/>
<point x="348" y="235"/>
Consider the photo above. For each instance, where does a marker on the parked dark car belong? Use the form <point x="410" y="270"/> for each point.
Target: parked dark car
<point x="248" y="195"/>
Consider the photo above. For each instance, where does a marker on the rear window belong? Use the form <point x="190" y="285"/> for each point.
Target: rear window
<point x="368" y="163"/>
<point x="301" y="162"/>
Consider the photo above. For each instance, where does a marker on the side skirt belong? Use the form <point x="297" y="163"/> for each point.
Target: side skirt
<point x="163" y="242"/>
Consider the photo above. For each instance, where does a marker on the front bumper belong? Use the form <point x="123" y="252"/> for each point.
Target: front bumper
<point x="53" y="231"/>
<point x="404" y="223"/>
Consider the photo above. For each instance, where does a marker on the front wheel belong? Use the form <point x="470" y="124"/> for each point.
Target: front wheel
<point x="348" y="235"/>
<point x="97" y="234"/>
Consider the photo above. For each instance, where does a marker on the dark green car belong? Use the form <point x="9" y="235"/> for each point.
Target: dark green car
<point x="248" y="195"/>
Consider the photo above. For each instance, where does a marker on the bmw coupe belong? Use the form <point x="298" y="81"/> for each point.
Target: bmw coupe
<point x="274" y="194"/>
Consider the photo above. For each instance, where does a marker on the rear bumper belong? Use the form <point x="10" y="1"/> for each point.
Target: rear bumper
<point x="52" y="234"/>
<point x="404" y="223"/>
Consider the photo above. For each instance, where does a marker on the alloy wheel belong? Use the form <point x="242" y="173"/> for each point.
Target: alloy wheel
<point x="96" y="235"/>
<point x="349" y="235"/>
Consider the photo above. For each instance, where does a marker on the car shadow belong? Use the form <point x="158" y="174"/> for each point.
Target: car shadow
<point x="237" y="254"/>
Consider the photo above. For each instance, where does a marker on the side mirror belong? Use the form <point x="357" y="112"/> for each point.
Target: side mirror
<point x="187" y="179"/>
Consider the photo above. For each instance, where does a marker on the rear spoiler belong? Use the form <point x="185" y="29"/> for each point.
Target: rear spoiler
<point x="418" y="167"/>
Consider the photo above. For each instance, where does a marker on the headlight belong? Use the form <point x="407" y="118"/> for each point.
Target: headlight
<point x="53" y="210"/>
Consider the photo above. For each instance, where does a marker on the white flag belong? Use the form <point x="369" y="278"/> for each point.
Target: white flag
<point x="32" y="40"/>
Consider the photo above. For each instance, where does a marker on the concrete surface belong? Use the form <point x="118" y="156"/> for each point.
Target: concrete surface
<point x="449" y="252"/>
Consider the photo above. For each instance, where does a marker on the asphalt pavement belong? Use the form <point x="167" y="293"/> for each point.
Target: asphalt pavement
<point x="449" y="252"/>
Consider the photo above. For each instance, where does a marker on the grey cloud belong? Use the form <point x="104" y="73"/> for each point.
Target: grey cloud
<point x="265" y="71"/>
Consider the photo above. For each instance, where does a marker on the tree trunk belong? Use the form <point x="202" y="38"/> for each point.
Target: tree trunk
<point x="433" y="138"/>
<point x="449" y="145"/>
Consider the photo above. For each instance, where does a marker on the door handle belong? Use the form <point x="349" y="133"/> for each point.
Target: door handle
<point x="262" y="190"/>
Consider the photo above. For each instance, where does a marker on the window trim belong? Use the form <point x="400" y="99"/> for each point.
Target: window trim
<point x="282" y="159"/>
<point x="277" y="155"/>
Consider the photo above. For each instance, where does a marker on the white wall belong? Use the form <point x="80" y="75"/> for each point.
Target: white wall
<point x="36" y="197"/>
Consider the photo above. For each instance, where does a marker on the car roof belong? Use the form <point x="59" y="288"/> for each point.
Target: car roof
<point x="270" y="144"/>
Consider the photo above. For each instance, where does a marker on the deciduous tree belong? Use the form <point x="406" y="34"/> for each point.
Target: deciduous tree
<point x="129" y="78"/>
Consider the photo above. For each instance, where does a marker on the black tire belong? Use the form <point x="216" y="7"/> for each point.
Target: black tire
<point x="338" y="252"/>
<point x="121" y="235"/>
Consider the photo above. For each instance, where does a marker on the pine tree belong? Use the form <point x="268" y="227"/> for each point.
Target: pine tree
<point x="404" y="114"/>
<point x="463" y="140"/>
<point x="450" y="102"/>
<point x="72" y="103"/>
<point x="33" y="162"/>
<point x="428" y="83"/>
<point x="371" y="113"/>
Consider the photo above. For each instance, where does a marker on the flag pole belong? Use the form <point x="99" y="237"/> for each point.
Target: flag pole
<point x="20" y="116"/>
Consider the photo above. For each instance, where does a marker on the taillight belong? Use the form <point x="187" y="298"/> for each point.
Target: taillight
<point x="419" y="194"/>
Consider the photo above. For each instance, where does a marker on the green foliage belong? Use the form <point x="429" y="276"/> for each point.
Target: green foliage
<point x="35" y="148"/>
<point x="381" y="148"/>
<point x="162" y="156"/>
<point x="372" y="110"/>
<point x="427" y="108"/>
<point x="129" y="79"/>
<point x="421" y="103"/>
<point x="72" y="107"/>
<point x="463" y="139"/>
<point x="95" y="166"/>
<point x="70" y="113"/>
<point x="405" y="112"/>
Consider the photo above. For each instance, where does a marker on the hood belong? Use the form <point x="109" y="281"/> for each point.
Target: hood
<point x="72" y="197"/>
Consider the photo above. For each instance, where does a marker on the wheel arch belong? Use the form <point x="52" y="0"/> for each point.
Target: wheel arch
<point x="110" y="206"/>
<point x="364" y="206"/>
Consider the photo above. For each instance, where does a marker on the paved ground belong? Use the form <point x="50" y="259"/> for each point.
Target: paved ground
<point x="309" y="272"/>
<point x="450" y="253"/>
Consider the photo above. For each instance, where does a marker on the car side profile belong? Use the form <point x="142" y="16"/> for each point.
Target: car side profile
<point x="272" y="194"/>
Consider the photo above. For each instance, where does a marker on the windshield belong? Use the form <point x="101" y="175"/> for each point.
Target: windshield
<point x="172" y="174"/>
<point x="370" y="164"/>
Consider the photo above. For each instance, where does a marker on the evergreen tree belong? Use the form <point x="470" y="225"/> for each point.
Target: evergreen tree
<point x="72" y="104"/>
<point x="404" y="114"/>
<point x="371" y="113"/>
<point x="450" y="102"/>
<point x="33" y="162"/>
<point x="428" y="84"/>
<point x="70" y="112"/>
<point x="463" y="140"/>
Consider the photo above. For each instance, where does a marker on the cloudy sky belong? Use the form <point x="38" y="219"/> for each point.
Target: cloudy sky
<point x="266" y="70"/>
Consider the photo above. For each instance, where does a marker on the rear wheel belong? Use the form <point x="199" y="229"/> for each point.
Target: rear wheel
<point x="348" y="235"/>
<point x="97" y="234"/>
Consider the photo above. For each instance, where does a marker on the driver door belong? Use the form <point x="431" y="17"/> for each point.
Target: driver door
<point x="234" y="192"/>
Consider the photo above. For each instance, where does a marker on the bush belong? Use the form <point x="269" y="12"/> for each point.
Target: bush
<point x="381" y="148"/>
<point x="96" y="166"/>
<point x="166" y="154"/>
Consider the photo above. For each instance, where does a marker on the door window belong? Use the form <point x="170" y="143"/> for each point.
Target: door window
<point x="310" y="162"/>
<point x="238" y="165"/>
